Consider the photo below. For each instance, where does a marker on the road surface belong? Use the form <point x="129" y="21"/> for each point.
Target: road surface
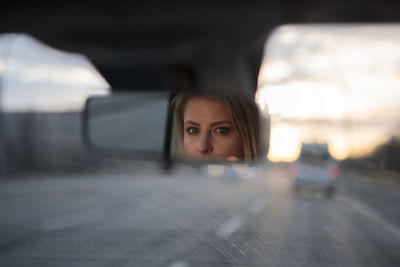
<point x="185" y="218"/>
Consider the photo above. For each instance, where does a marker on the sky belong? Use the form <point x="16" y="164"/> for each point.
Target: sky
<point x="335" y="84"/>
<point x="38" y="78"/>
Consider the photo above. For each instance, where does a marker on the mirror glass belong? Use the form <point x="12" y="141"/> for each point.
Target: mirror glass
<point x="134" y="122"/>
<point x="218" y="128"/>
<point x="203" y="128"/>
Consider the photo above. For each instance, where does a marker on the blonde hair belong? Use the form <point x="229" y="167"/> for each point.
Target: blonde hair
<point x="244" y="115"/>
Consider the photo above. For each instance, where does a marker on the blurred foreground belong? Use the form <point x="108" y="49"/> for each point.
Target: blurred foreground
<point x="146" y="218"/>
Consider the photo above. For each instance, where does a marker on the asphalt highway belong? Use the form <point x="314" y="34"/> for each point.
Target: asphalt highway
<point x="190" y="218"/>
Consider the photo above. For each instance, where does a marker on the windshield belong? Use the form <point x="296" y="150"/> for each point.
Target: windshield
<point x="325" y="194"/>
<point x="313" y="152"/>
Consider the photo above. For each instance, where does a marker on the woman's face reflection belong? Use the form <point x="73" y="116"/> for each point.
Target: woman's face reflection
<point x="209" y="131"/>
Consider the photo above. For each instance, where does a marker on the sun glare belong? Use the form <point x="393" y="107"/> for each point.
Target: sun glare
<point x="332" y="84"/>
<point x="285" y="143"/>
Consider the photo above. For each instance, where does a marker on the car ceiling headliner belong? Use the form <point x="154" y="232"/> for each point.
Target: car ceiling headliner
<point x="172" y="32"/>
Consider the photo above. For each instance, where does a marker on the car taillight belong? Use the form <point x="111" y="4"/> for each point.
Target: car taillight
<point x="293" y="170"/>
<point x="334" y="171"/>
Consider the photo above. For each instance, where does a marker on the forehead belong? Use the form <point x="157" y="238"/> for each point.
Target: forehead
<point x="202" y="108"/>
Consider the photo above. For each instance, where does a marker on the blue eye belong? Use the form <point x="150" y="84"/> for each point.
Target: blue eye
<point x="192" y="130"/>
<point x="222" y="130"/>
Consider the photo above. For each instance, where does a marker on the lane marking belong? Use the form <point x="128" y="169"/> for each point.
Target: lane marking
<point x="178" y="264"/>
<point x="371" y="214"/>
<point x="255" y="207"/>
<point x="229" y="227"/>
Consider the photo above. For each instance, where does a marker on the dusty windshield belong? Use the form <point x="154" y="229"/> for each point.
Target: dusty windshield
<point x="322" y="190"/>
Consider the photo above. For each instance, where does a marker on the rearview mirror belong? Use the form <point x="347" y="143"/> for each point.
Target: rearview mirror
<point x="135" y="123"/>
<point x="194" y="127"/>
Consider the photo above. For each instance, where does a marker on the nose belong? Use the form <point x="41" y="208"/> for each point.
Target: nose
<point x="204" y="145"/>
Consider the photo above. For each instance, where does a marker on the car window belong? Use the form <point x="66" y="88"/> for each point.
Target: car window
<point x="314" y="152"/>
<point x="331" y="84"/>
<point x="325" y="192"/>
<point x="43" y="94"/>
<point x="38" y="78"/>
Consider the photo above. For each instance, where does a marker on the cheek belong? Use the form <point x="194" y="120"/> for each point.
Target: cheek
<point x="188" y="146"/>
<point x="229" y="146"/>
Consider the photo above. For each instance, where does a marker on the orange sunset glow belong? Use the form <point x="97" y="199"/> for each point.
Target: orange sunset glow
<point x="319" y="84"/>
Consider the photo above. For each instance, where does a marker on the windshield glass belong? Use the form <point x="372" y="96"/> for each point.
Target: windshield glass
<point x="332" y="84"/>
<point x="324" y="193"/>
<point x="38" y="78"/>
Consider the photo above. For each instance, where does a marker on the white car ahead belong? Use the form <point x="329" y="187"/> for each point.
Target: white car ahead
<point x="315" y="168"/>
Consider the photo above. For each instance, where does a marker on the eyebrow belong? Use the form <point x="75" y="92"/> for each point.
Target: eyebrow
<point x="212" y="124"/>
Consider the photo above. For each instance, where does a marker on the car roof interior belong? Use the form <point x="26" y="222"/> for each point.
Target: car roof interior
<point x="214" y="46"/>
